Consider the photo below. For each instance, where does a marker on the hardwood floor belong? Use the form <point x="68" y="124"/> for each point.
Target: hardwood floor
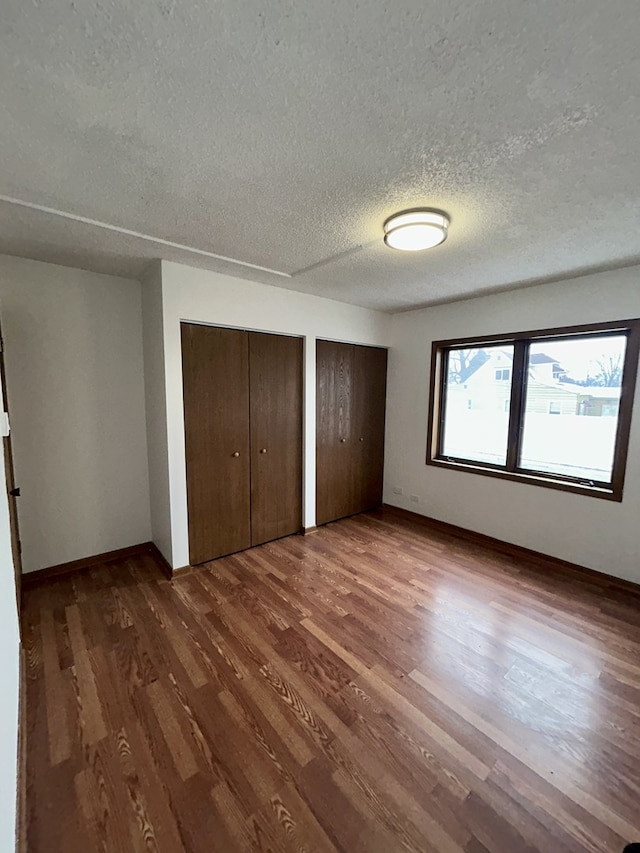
<point x="375" y="686"/>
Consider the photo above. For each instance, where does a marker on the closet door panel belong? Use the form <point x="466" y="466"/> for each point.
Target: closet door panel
<point x="370" y="384"/>
<point x="334" y="430"/>
<point x="215" y="366"/>
<point x="275" y="368"/>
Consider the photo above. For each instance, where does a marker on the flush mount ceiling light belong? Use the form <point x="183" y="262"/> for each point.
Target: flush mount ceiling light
<point x="414" y="230"/>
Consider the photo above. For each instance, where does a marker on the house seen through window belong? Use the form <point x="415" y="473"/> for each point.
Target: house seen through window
<point x="553" y="407"/>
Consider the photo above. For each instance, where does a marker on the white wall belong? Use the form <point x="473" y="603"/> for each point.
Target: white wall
<point x="202" y="296"/>
<point x="156" y="409"/>
<point x="9" y="676"/>
<point x="73" y="353"/>
<point x="598" y="534"/>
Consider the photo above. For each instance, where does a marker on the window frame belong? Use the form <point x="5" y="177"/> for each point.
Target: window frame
<point x="520" y="341"/>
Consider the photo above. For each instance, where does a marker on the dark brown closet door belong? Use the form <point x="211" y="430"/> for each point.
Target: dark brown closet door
<point x="215" y="369"/>
<point x="334" y="431"/>
<point x="275" y="368"/>
<point x="369" y="396"/>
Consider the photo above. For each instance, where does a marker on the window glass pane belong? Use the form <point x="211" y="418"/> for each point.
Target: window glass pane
<point x="571" y="407"/>
<point x="476" y="404"/>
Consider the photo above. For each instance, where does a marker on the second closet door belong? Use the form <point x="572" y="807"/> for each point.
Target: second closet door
<point x="275" y="381"/>
<point x="370" y="384"/>
<point x="334" y="430"/>
<point x="350" y="406"/>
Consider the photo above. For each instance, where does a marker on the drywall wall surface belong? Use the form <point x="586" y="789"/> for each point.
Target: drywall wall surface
<point x="598" y="534"/>
<point x="9" y="677"/>
<point x="73" y="354"/>
<point x="202" y="296"/>
<point x="156" y="409"/>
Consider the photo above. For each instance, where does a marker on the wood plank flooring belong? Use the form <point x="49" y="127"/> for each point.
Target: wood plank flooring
<point x="375" y="686"/>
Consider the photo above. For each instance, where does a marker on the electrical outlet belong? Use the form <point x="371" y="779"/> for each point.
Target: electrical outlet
<point x="415" y="499"/>
<point x="397" y="490"/>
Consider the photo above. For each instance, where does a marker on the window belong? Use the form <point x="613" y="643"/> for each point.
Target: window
<point x="559" y="415"/>
<point x="477" y="431"/>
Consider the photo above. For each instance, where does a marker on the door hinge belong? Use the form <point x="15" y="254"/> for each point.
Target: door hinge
<point x="15" y="493"/>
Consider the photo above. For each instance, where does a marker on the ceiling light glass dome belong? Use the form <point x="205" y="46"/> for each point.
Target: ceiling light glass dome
<point x="415" y="230"/>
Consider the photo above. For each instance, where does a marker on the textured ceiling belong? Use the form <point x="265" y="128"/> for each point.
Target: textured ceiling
<point x="282" y="134"/>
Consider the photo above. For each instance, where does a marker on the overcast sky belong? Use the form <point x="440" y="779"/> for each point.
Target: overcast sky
<point x="580" y="358"/>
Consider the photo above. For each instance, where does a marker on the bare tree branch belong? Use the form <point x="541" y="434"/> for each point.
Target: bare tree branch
<point x="464" y="362"/>
<point x="610" y="371"/>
